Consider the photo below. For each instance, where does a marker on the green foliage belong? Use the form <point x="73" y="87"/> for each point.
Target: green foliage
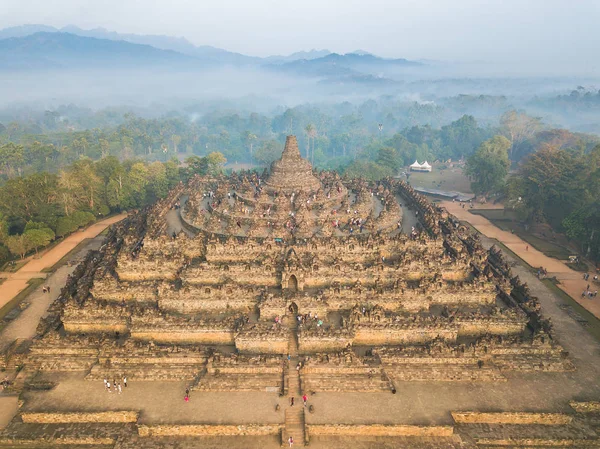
<point x="269" y="151"/>
<point x="65" y="226"/>
<point x="38" y="238"/>
<point x="368" y="170"/>
<point x="488" y="166"/>
<point x="583" y="225"/>
<point x="18" y="245"/>
<point x="388" y="157"/>
<point x="552" y="183"/>
<point x="4" y="255"/>
<point x="81" y="218"/>
<point x="3" y="228"/>
<point x="35" y="225"/>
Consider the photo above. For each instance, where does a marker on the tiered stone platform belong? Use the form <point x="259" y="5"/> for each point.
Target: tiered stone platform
<point x="289" y="284"/>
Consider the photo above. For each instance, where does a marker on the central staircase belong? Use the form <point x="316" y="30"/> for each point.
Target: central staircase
<point x="294" y="415"/>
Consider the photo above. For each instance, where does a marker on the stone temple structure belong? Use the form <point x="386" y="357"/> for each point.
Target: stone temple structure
<point x="292" y="173"/>
<point x="290" y="284"/>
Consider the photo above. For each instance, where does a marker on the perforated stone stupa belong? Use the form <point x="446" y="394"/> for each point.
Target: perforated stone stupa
<point x="292" y="172"/>
<point x="288" y="285"/>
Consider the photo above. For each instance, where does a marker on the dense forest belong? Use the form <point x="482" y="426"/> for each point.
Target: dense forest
<point x="63" y="168"/>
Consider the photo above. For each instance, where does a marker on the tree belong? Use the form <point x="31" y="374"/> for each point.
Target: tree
<point x="311" y="133"/>
<point x="176" y="139"/>
<point x="368" y="170"/>
<point x="519" y="127"/>
<point x="196" y="165"/>
<point x="3" y="228"/>
<point x="89" y="182"/>
<point x="158" y="186"/>
<point x="215" y="161"/>
<point x="17" y="245"/>
<point x="81" y="218"/>
<point x="552" y="184"/>
<point x="104" y="147"/>
<point x="488" y="166"/>
<point x="461" y="137"/>
<point x="269" y="151"/>
<point x="583" y="225"/>
<point x="69" y="192"/>
<point x="38" y="238"/>
<point x="249" y="139"/>
<point x="12" y="159"/>
<point x="388" y="157"/>
<point x="65" y="226"/>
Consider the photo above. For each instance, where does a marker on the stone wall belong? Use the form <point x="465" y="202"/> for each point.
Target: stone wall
<point x="394" y="335"/>
<point x="521" y="418"/>
<point x="585" y="407"/>
<point x="206" y="337"/>
<point x="127" y="416"/>
<point x="165" y="430"/>
<point x="379" y="430"/>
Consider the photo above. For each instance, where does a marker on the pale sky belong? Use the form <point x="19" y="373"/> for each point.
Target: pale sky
<point x="518" y="31"/>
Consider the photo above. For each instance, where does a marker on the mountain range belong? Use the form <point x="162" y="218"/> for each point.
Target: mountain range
<point x="35" y="47"/>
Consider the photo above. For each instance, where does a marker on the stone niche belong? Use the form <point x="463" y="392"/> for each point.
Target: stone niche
<point x="186" y="336"/>
<point x="311" y="342"/>
<point x="262" y="338"/>
<point x="396" y="334"/>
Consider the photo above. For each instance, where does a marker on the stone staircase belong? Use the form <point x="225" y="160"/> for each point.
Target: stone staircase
<point x="294" y="425"/>
<point x="294" y="415"/>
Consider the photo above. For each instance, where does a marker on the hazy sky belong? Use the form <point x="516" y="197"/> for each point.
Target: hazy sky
<point x="521" y="31"/>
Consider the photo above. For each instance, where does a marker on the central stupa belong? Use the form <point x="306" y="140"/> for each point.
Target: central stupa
<point x="292" y="173"/>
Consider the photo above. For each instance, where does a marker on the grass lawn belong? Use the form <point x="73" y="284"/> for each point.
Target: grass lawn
<point x="507" y="221"/>
<point x="588" y="320"/>
<point x="13" y="268"/>
<point x="442" y="179"/>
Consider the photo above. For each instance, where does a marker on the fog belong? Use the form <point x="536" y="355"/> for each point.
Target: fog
<point x="153" y="92"/>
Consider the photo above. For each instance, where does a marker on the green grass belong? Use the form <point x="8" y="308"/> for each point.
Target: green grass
<point x="7" y="267"/>
<point x="593" y="326"/>
<point x="32" y="285"/>
<point x="446" y="179"/>
<point x="507" y="221"/>
<point x="593" y="323"/>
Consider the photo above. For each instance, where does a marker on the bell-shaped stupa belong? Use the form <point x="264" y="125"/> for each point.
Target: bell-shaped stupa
<point x="292" y="172"/>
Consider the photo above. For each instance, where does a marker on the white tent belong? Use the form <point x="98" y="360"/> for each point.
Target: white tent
<point x="415" y="166"/>
<point x="420" y="167"/>
<point x="425" y="166"/>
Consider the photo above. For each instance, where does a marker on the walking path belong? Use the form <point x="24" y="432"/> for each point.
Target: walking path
<point x="571" y="281"/>
<point x="24" y="326"/>
<point x="294" y="414"/>
<point x="17" y="282"/>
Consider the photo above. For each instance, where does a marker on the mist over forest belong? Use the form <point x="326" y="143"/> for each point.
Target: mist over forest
<point x="46" y="69"/>
<point x="96" y="122"/>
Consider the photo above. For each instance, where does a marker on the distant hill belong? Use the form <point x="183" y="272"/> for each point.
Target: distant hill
<point x="47" y="50"/>
<point x="41" y="46"/>
<point x="308" y="55"/>
<point x="348" y="65"/>
<point x="178" y="44"/>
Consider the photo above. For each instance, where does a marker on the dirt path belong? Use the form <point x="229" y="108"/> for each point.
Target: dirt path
<point x="17" y="282"/>
<point x="24" y="326"/>
<point x="571" y="281"/>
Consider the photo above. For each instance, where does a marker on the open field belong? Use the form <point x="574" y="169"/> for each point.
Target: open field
<point x="507" y="221"/>
<point x="444" y="179"/>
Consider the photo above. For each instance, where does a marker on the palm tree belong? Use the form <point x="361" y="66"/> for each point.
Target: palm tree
<point x="311" y="132"/>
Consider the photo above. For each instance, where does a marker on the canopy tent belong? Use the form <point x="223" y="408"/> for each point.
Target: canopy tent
<point x="420" y="167"/>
